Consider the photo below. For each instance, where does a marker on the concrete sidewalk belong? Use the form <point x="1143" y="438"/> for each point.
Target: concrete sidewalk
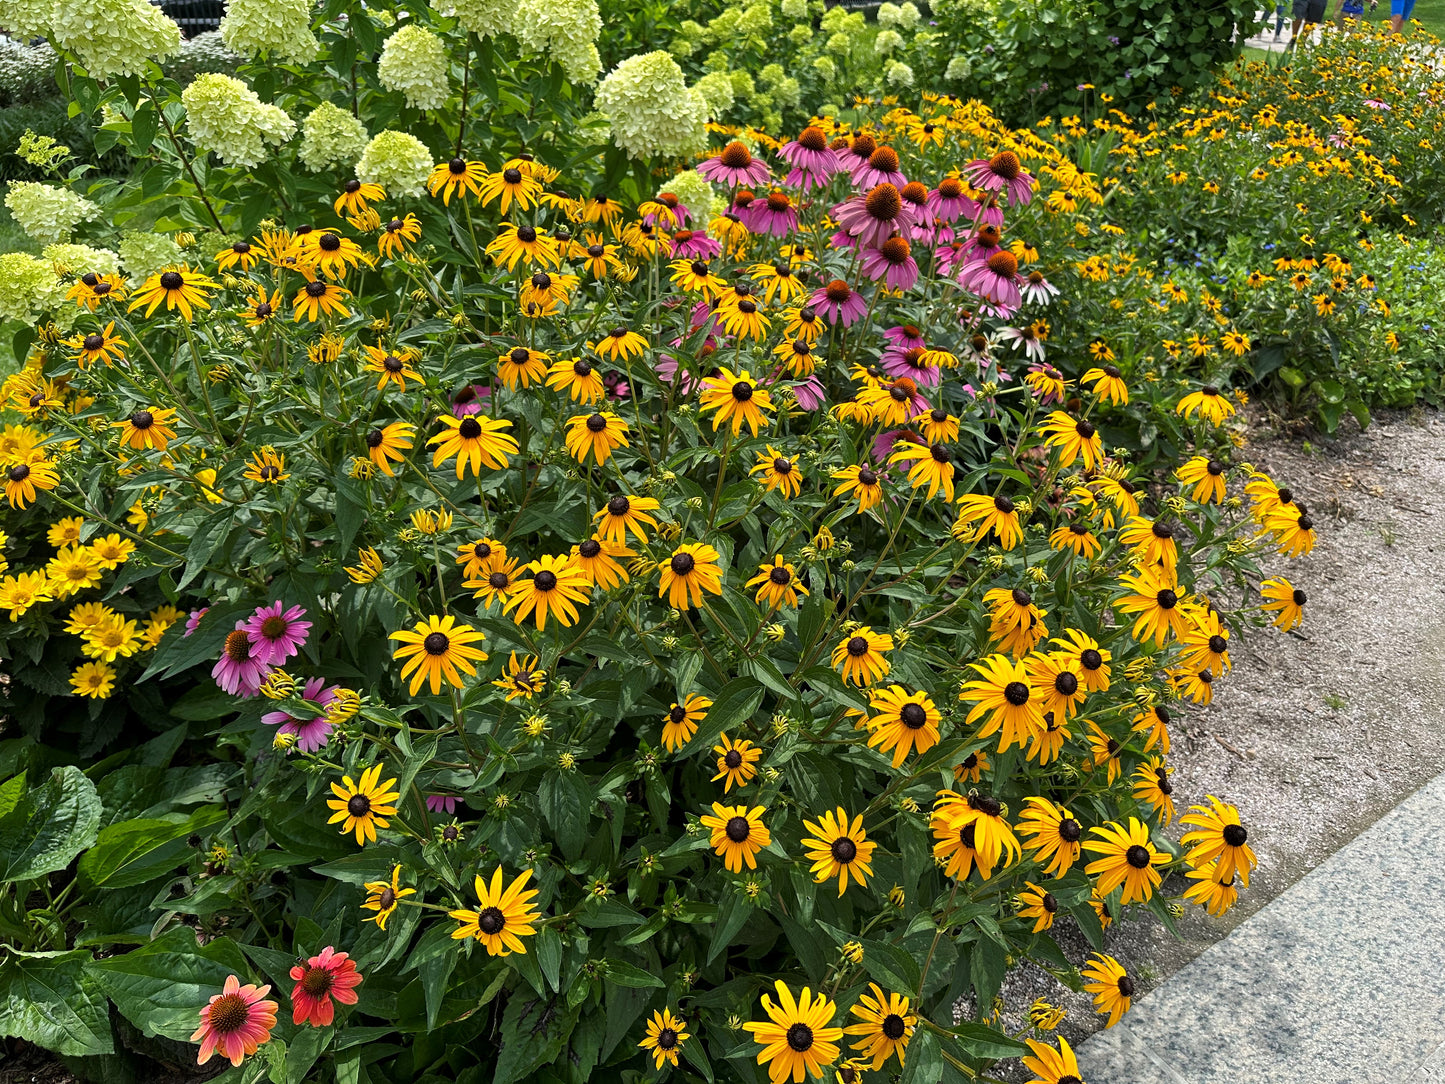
<point x="1341" y="980"/>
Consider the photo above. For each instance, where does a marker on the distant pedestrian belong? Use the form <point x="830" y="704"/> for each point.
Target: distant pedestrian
<point x="1309" y="12"/>
<point x="1400" y="11"/>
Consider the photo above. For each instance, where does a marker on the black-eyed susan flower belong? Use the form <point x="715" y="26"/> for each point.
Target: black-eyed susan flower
<point x="392" y="366"/>
<point x="1293" y="529"/>
<point x="1076" y="537"/>
<point x="389" y="443"/>
<point x="556" y="587"/>
<point x="1104" y="750"/>
<point x="268" y="466"/>
<point x="524" y="244"/>
<point x="696" y="277"/>
<point x="779" y="472"/>
<point x="496" y="581"/>
<point x="681" y="721"/>
<point x="1281" y="598"/>
<point x="521" y="367"/>
<point x="1038" y="905"/>
<point x="885" y="1026"/>
<point x="477" y="556"/>
<point x="860" y="657"/>
<point x="438" y="648"/>
<point x="1154" y="595"/>
<point x="861" y="483"/>
<point x="508" y="186"/>
<point x="1120" y="493"/>
<point x="971" y="768"/>
<point x="1217" y="834"/>
<point x="804" y="323"/>
<point x="1213" y="891"/>
<point x="600" y="260"/>
<point x="1108" y="384"/>
<point x="260" y="307"/>
<point x="475" y="440"/>
<point x="735" y="397"/>
<point x="777" y="583"/>
<point x="902" y="722"/>
<point x="147" y="429"/>
<point x="1076" y="438"/>
<point x="1208" y="402"/>
<point x="363" y="805"/>
<point x="839" y="848"/>
<point x="932" y="466"/>
<point x="1051" y="1066"/>
<point x="179" y="288"/>
<point x="1003" y="692"/>
<point x="1152" y="543"/>
<point x="665" y="1035"/>
<point x="736" y="762"/>
<point x="357" y="196"/>
<point x="102" y="346"/>
<point x="1152" y="786"/>
<point x="980" y="515"/>
<point x="938" y="426"/>
<point x="578" y="378"/>
<point x="619" y="343"/>
<point x="503" y="916"/>
<point x="318" y="298"/>
<point x="738" y="834"/>
<point x="1056" y="681"/>
<point x="624" y="513"/>
<point x="111" y="550"/>
<point x="456" y="177"/>
<point x="1111" y="986"/>
<point x="597" y="435"/>
<point x="1206" y="475"/>
<point x="992" y="839"/>
<point x="1153" y="723"/>
<point x="370" y="566"/>
<point x="522" y="679"/>
<point x="382" y="897"/>
<point x="91" y="290"/>
<point x="692" y="570"/>
<point x="1126" y="857"/>
<point x="597" y="559"/>
<point x="1051" y="834"/>
<point x="796" y="1040"/>
<point x="396" y="234"/>
<point x="330" y="254"/>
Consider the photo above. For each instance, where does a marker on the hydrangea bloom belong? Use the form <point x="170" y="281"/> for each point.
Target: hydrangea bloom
<point x="281" y="28"/>
<point x="960" y="67"/>
<point x="24" y="18"/>
<point x="887" y="41"/>
<point x="717" y="89"/>
<point x="113" y="37"/>
<point x="898" y="74"/>
<point x="652" y="109"/>
<point x="397" y="161"/>
<point x="826" y="69"/>
<point x="565" y="29"/>
<point x="692" y="191"/>
<point x="487" y="18"/>
<point x="225" y="116"/>
<point x="414" y="62"/>
<point x="28" y="287"/>
<point x="71" y="261"/>
<point x="795" y="10"/>
<point x="330" y="136"/>
<point x="143" y="253"/>
<point x="47" y="213"/>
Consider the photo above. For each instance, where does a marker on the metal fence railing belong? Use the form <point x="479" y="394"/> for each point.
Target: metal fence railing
<point x="193" y="16"/>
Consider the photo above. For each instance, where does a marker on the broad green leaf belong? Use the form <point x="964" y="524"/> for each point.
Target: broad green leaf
<point x="49" y="826"/>
<point x="47" y="999"/>
<point x="925" y="1059"/>
<point x="624" y="974"/>
<point x="981" y="1041"/>
<point x="136" y="851"/>
<point x="735" y="704"/>
<point x="161" y="987"/>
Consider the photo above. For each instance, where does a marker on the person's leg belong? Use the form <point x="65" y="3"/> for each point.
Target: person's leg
<point x="1397" y="16"/>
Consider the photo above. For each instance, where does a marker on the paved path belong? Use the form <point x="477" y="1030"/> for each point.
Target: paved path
<point x="1341" y="980"/>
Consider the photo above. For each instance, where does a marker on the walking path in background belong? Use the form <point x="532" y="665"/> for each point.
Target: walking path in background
<point x="1340" y="980"/>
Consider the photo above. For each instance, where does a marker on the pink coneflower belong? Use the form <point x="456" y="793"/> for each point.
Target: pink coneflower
<point x="810" y="393"/>
<point x="883" y="445"/>
<point x="915" y="198"/>
<point x="614" y="384"/>
<point x="875" y="217"/>
<point x="880" y="167"/>
<point x="193" y="620"/>
<point x="838" y="303"/>
<point x="238" y="671"/>
<point x="1001" y="173"/>
<point x="735" y="165"/>
<point x="329" y="974"/>
<point x="893" y="262"/>
<point x="983" y="244"/>
<point x="670" y="212"/>
<point x="1025" y="339"/>
<point x="948" y="201"/>
<point x="236" y="1021"/>
<point x="774" y="216"/>
<point x="915" y="363"/>
<point x="669" y="369"/>
<point x="986" y="211"/>
<point x="858" y="152"/>
<point x="441" y="803"/>
<point x="903" y="337"/>
<point x="277" y="634"/>
<point x="1037" y="290"/>
<point x="995" y="282"/>
<point x="470" y="399"/>
<point x="950" y="257"/>
<point x="694" y="245"/>
<point x="810" y="154"/>
<point x="311" y="733"/>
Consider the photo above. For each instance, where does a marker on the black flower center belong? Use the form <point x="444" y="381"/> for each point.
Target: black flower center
<point x="666" y="1039"/>
<point x="90" y="278"/>
<point x="596" y="423"/>
<point x="1091" y="659"/>
<point x="375" y="438"/>
<point x="1218" y="644"/>
<point x="1305" y="523"/>
<point x="966" y="835"/>
<point x="1126" y="986"/>
<point x="782" y="466"/>
<point x="582" y="367"/>
<point x="780" y="576"/>
<point x="491" y="921"/>
<point x="913" y="716"/>
<point x="1235" y="835"/>
<point x="940" y="454"/>
<point x="329" y="242"/>
<point x="512" y="176"/>
<point x="358" y="805"/>
<point x="742" y="391"/>
<point x="732" y="758"/>
<point x="142" y="419"/>
<point x="545" y="581"/>
<point x="738" y="829"/>
<point x="498" y="581"/>
<point x="618" y="506"/>
<point x="986" y="804"/>
<point x="1049" y="903"/>
<point x="436" y="643"/>
<point x="526" y="234"/>
<point x="457" y="166"/>
<point x="844" y="850"/>
<point x="94" y="342"/>
<point x="682" y="563"/>
<point x="1066" y="683"/>
<point x="1003" y="504"/>
<point x="387" y="899"/>
<point x="858" y="647"/>
<point x="263" y="309"/>
<point x="315" y="289"/>
<point x="1162" y="530"/>
<point x="590" y="548"/>
<point x="470" y="429"/>
<point x="1085" y="429"/>
<point x="1137" y="856"/>
<point x="800" y="1037"/>
<point x="1016" y="693"/>
<point x="171" y="280"/>
<point x="867" y="477"/>
<point x="1299" y="597"/>
<point x="1167" y="599"/>
<point x="893" y="1026"/>
<point x="1022" y="597"/>
<point x="1069" y="830"/>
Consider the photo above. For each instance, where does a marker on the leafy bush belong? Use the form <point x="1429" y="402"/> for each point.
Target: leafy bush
<point x="583" y="623"/>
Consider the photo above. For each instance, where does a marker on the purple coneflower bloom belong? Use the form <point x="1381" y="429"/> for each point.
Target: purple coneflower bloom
<point x="986" y="211"/>
<point x="774" y="216"/>
<point x="893" y="262"/>
<point x="995" y="282"/>
<point x="883" y="443"/>
<point x="903" y="337"/>
<point x="313" y="733"/>
<point x="615" y="384"/>
<point x="669" y="369"/>
<point x="469" y="399"/>
<point x="810" y="154"/>
<point x="237" y="671"/>
<point x="674" y="206"/>
<point x="810" y="393"/>
<point x="193" y="620"/>
<point x="913" y="363"/>
<point x="1024" y="339"/>
<point x="735" y="165"/>
<point x="880" y="167"/>
<point x="276" y="633"/>
<point x="441" y="803"/>
<point x="983" y="244"/>
<point x="874" y="217"/>
<point x="805" y="179"/>
<point x="694" y="245"/>
<point x="1001" y="173"/>
<point x="949" y="200"/>
<point x="1037" y="290"/>
<point x="838" y="303"/>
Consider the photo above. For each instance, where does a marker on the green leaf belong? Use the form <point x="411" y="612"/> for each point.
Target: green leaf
<point x="925" y="1059"/>
<point x="548" y="948"/>
<point x="565" y="799"/>
<point x="731" y="917"/>
<point x="981" y="1041"/>
<point x="987" y="965"/>
<point x="161" y="987"/>
<point x="736" y="704"/>
<point x="624" y="974"/>
<point x="47" y="999"/>
<point x="143" y="127"/>
<point x="136" y="851"/>
<point x="49" y="826"/>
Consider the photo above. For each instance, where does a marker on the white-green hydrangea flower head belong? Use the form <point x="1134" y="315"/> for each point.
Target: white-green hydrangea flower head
<point x="330" y="137"/>
<point x="717" y="89"/>
<point x="279" y="28"/>
<point x="414" y="62"/>
<point x="887" y="41"/>
<point x="565" y="30"/>
<point x="794" y="10"/>
<point x="143" y="253"/>
<point x="72" y="261"/>
<point x="397" y="161"/>
<point x="26" y="19"/>
<point x="693" y="191"/>
<point x="47" y="213"/>
<point x="826" y="69"/>
<point x="960" y="67"/>
<point x="28" y="287"/>
<point x="487" y="18"/>
<point x="651" y="107"/>
<point x="113" y="37"/>
<point x="224" y="116"/>
<point x="898" y="74"/>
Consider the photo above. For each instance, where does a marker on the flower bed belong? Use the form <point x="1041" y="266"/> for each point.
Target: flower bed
<point x="520" y="624"/>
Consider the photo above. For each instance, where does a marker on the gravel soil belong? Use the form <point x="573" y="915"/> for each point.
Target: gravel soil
<point x="1315" y="734"/>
